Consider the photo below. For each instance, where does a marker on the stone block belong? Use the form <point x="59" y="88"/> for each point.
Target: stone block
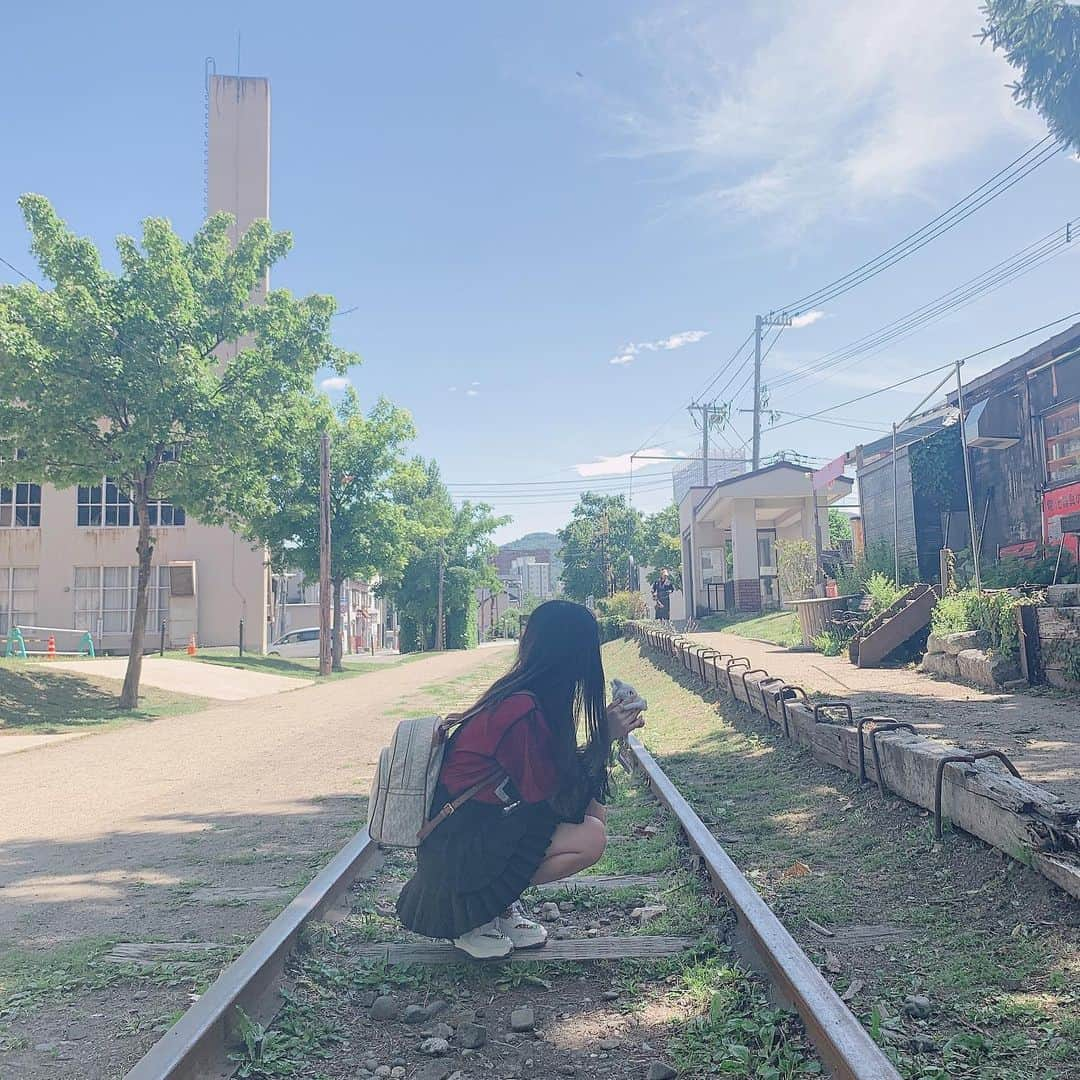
<point x="955" y="644"/>
<point x="1063" y="595"/>
<point x="935" y="645"/>
<point x="941" y="664"/>
<point x="986" y="671"/>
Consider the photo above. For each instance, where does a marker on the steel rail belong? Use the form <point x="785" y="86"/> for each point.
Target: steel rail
<point x="843" y="1045"/>
<point x="198" y="1044"/>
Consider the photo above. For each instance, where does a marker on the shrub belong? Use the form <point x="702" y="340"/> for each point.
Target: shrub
<point x="876" y="559"/>
<point x="883" y="592"/>
<point x="994" y="612"/>
<point x="1008" y="573"/>
<point x="796" y="566"/>
<point x="831" y="642"/>
<point x="623" y="605"/>
<point x="611" y="627"/>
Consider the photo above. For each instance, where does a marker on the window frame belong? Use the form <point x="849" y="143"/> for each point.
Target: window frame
<point x="1071" y="473"/>
<point x="21" y="499"/>
<point x="126" y="584"/>
<point x="8" y="592"/>
<point x="96" y="503"/>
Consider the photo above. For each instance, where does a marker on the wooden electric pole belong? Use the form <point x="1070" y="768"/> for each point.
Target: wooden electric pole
<point x="325" y="620"/>
<point x="440" y="617"/>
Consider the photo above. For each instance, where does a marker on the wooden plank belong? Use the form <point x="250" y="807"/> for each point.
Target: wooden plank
<point x="598" y="948"/>
<point x="606" y="882"/>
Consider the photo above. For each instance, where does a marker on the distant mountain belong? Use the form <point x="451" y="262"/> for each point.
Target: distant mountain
<point x="534" y="544"/>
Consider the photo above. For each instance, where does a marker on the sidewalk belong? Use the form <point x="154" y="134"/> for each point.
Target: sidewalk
<point x="1039" y="731"/>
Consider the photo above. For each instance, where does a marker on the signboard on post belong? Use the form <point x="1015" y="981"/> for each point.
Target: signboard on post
<point x="1061" y="517"/>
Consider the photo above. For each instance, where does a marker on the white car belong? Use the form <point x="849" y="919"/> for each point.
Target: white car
<point x="297" y="643"/>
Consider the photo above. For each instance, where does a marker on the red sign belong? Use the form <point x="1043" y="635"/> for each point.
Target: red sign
<point x="1025" y="549"/>
<point x="1062" y="502"/>
<point x="828" y="473"/>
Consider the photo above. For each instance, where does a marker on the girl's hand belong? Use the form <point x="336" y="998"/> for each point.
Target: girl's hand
<point x="625" y="717"/>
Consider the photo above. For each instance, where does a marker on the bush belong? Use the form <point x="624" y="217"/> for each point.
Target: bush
<point x="624" y="605"/>
<point x="994" y="612"/>
<point x="876" y="559"/>
<point x="611" y="627"/>
<point x="831" y="642"/>
<point x="883" y="592"/>
<point x="796" y="565"/>
<point x="1009" y="573"/>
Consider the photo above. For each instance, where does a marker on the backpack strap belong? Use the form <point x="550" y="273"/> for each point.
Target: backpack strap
<point x="457" y="803"/>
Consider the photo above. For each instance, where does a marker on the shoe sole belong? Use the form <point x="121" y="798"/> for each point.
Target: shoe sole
<point x="534" y="945"/>
<point x="490" y="956"/>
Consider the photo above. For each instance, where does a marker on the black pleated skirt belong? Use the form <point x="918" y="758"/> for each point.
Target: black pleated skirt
<point x="474" y="865"/>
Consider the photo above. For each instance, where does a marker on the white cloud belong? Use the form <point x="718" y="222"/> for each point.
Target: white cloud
<point x="452" y="389"/>
<point x="334" y="382"/>
<point x="471" y="393"/>
<point x="474" y="384"/>
<point x="675" y="341"/>
<point x="802" y="109"/>
<point x="620" y="464"/>
<point x="807" y="318"/>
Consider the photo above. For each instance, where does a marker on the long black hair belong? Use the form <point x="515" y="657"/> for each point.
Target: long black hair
<point x="558" y="662"/>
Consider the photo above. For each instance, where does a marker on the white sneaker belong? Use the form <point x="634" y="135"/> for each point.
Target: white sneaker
<point x="522" y="931"/>
<point x="486" y="942"/>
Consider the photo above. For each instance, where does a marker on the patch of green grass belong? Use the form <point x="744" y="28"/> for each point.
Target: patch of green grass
<point x="38" y="700"/>
<point x="29" y="980"/>
<point x="776" y="627"/>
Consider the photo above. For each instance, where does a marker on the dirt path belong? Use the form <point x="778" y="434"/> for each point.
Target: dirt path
<point x="115" y="835"/>
<point x="1039" y="731"/>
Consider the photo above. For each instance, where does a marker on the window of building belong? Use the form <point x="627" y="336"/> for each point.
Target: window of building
<point x="20" y="506"/>
<point x="108" y="504"/>
<point x="18" y="597"/>
<point x="766" y="549"/>
<point x="105" y="598"/>
<point x="1061" y="430"/>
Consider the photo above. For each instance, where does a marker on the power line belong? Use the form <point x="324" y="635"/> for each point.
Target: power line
<point x="1008" y="270"/>
<point x="998" y="184"/>
<point x="931" y="371"/>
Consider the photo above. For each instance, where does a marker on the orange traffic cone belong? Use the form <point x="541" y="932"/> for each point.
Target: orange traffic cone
<point x="50" y="649"/>
<point x="191" y="650"/>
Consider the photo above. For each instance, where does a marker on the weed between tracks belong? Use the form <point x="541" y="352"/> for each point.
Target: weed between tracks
<point x="994" y="946"/>
<point x="698" y="1009"/>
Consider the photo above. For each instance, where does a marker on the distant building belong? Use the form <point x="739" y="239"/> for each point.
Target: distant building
<point x="722" y="466"/>
<point x="534" y="576"/>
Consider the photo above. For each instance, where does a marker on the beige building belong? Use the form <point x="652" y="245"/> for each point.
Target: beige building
<point x="730" y="530"/>
<point x="67" y="558"/>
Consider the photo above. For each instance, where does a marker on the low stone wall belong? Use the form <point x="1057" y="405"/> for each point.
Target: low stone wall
<point x="963" y="657"/>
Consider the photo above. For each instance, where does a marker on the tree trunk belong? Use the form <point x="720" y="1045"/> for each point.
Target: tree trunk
<point x="335" y="655"/>
<point x="129" y="695"/>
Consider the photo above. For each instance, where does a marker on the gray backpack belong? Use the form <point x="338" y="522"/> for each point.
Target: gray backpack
<point x="404" y="783"/>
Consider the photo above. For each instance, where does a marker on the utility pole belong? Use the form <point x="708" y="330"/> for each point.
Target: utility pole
<point x="440" y="623"/>
<point x="325" y="625"/>
<point x="967" y="479"/>
<point x="760" y="322"/>
<point x="708" y="412"/>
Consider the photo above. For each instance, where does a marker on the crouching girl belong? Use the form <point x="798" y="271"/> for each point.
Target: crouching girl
<point x="540" y="815"/>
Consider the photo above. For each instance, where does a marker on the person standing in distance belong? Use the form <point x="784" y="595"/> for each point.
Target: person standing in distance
<point x="662" y="589"/>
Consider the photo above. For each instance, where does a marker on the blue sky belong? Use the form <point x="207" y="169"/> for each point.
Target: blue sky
<point x="514" y="196"/>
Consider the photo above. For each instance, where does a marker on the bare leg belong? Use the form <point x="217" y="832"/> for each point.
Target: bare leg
<point x="572" y="849"/>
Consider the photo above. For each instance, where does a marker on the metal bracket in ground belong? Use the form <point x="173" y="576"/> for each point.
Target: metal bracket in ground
<point x="765" y="697"/>
<point x="965" y="759"/>
<point x="820" y="710"/>
<point x="787" y="693"/>
<point x="745" y="688"/>
<point x="897" y="725"/>
<point x="706" y="654"/>
<point x="859" y="725"/>
<point x="727" y="667"/>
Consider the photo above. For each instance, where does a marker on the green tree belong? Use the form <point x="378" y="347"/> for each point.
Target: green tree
<point x="1041" y="40"/>
<point x="122" y="375"/>
<point x="369" y="527"/>
<point x="839" y="527"/>
<point x="598" y="543"/>
<point x="448" y="541"/>
<point x="661" y="544"/>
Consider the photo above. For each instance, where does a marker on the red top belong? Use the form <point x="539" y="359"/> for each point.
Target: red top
<point x="513" y="734"/>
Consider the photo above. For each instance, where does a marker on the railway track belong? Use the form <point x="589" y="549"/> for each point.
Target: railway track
<point x="826" y="1036"/>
